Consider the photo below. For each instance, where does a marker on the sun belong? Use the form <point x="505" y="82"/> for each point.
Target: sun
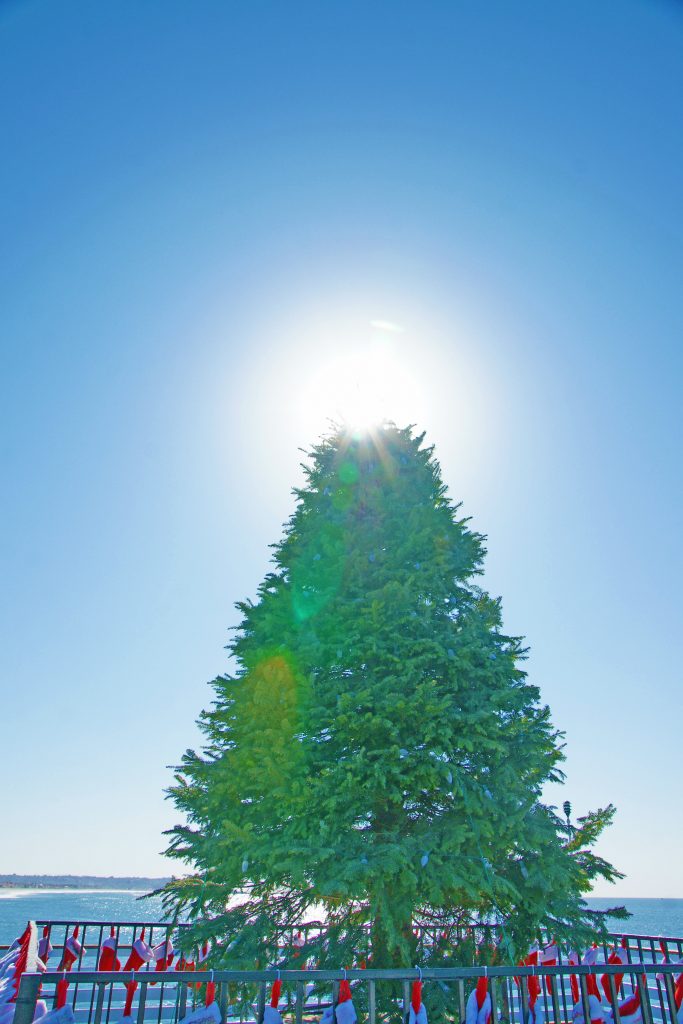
<point x="362" y="386"/>
<point x="359" y="388"/>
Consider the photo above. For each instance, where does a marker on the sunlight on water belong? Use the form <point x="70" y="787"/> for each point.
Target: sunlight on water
<point x="17" y="906"/>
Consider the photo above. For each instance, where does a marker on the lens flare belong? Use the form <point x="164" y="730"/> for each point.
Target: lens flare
<point x="386" y="325"/>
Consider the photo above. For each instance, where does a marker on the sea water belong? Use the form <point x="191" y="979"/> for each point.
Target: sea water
<point x="17" y="906"/>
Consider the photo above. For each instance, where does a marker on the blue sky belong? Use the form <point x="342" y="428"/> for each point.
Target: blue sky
<point x="202" y="208"/>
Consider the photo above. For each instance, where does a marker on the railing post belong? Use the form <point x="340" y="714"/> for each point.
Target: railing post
<point x="223" y="998"/>
<point x="505" y="1000"/>
<point x="560" y="981"/>
<point x="260" y="1004"/>
<point x="493" y="991"/>
<point x="557" y="1017"/>
<point x="524" y="1000"/>
<point x="161" y="1002"/>
<point x="182" y="999"/>
<point x="94" y="990"/>
<point x="27" y="997"/>
<point x="299" y="1005"/>
<point x="585" y="1001"/>
<point x="614" y="999"/>
<point x="372" y="1002"/>
<point x="645" y="1007"/>
<point x="461" y="998"/>
<point x="653" y="958"/>
<point x="142" y="1001"/>
<point x="99" y="1003"/>
<point x="670" y="998"/>
<point x="406" y="1001"/>
<point x="629" y="961"/>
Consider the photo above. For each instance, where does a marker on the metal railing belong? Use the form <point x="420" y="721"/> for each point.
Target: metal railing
<point x="166" y="996"/>
<point x="644" y="948"/>
<point x="383" y="994"/>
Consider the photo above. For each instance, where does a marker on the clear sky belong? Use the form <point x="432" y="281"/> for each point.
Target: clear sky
<point x="203" y="208"/>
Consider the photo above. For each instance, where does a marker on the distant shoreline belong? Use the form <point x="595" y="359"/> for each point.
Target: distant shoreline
<point x="112" y="883"/>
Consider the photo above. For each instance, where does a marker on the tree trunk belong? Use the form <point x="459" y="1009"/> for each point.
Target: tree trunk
<point x="395" y="945"/>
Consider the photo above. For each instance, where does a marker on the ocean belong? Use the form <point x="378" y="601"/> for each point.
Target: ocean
<point x="17" y="906"/>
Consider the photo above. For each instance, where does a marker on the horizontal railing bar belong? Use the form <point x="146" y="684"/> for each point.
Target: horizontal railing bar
<point x="82" y="922"/>
<point x="356" y="974"/>
<point x="312" y="926"/>
<point x="119" y="924"/>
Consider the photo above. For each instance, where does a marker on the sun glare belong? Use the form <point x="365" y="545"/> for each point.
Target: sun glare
<point x="338" y="364"/>
<point x="362" y="387"/>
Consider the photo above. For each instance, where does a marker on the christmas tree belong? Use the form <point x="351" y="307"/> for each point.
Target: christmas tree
<point x="376" y="761"/>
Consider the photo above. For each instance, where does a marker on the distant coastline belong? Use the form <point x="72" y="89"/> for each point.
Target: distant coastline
<point x="111" y="882"/>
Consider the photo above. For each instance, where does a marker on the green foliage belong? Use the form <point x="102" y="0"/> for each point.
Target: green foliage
<point x="377" y="759"/>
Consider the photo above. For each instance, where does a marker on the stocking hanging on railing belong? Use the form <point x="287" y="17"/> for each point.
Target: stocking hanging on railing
<point x="45" y="946"/>
<point x="163" y="955"/>
<point x="72" y="951"/>
<point x="108" y="960"/>
<point x="271" y="1014"/>
<point x="131" y="988"/>
<point x="417" y="1013"/>
<point x="345" y="1010"/>
<point x="478" y="1009"/>
<point x="140" y="954"/>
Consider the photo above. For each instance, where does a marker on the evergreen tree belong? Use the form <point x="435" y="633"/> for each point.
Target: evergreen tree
<point x="377" y="759"/>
